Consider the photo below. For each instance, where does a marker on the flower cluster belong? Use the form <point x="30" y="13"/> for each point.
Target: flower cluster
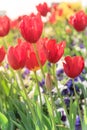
<point x="36" y="57"/>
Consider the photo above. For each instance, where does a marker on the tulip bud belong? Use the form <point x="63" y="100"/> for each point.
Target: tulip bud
<point x="48" y="82"/>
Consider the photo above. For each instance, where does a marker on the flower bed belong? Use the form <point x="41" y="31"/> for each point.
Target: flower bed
<point x="43" y="72"/>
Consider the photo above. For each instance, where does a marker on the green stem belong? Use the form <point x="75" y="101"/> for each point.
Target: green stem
<point x="52" y="105"/>
<point x="59" y="94"/>
<point x="38" y="88"/>
<point x="25" y="92"/>
<point x="77" y="101"/>
<point x="38" y="59"/>
<point x="5" y="43"/>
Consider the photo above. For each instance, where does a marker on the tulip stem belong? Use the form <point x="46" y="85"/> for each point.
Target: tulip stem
<point x="5" y="43"/>
<point x="38" y="59"/>
<point x="38" y="88"/>
<point x="77" y="101"/>
<point x="25" y="92"/>
<point x="53" y="107"/>
<point x="59" y="94"/>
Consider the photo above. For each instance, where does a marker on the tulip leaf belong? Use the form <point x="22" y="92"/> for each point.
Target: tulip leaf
<point x="3" y="121"/>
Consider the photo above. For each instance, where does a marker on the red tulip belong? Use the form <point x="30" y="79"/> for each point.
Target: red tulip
<point x="16" y="56"/>
<point x="43" y="9"/>
<point x="53" y="50"/>
<point x="79" y="21"/>
<point x="31" y="27"/>
<point x="4" y="25"/>
<point x="73" y="66"/>
<point x="14" y="24"/>
<point x="31" y="61"/>
<point x="2" y="53"/>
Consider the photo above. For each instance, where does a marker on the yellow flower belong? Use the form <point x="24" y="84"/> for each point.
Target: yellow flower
<point x="66" y="11"/>
<point x="75" y="5"/>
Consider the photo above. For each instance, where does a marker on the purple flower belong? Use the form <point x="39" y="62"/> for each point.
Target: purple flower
<point x="69" y="85"/>
<point x="76" y="79"/>
<point x="67" y="101"/>
<point x="65" y="92"/>
<point x="78" y="123"/>
<point x="25" y="73"/>
<point x="81" y="78"/>
<point x="63" y="117"/>
<point x="81" y="45"/>
<point x="7" y="66"/>
<point x="59" y="72"/>
<point x="42" y="83"/>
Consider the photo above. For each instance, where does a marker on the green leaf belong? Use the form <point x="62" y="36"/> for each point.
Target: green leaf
<point x="18" y="125"/>
<point x="47" y="122"/>
<point x="3" y="121"/>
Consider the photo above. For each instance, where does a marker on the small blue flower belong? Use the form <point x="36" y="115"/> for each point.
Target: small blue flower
<point x="59" y="72"/>
<point x="81" y="45"/>
<point x="63" y="118"/>
<point x="69" y="85"/>
<point x="76" y="79"/>
<point x="42" y="83"/>
<point x="7" y="66"/>
<point x="25" y="73"/>
<point x="65" y="92"/>
<point x="78" y="123"/>
<point x="67" y="101"/>
<point x="81" y="78"/>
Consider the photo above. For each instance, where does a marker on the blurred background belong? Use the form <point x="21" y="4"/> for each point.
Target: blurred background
<point x="14" y="8"/>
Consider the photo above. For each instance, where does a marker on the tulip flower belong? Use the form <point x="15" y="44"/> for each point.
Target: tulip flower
<point x="2" y="53"/>
<point x="79" y="21"/>
<point x="43" y="9"/>
<point x="16" y="57"/>
<point x="73" y="66"/>
<point x="4" y="25"/>
<point x="53" y="50"/>
<point x="14" y="24"/>
<point x="31" y="60"/>
<point x="31" y="27"/>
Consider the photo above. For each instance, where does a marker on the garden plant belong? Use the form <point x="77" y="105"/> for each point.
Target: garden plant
<point x="43" y="69"/>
